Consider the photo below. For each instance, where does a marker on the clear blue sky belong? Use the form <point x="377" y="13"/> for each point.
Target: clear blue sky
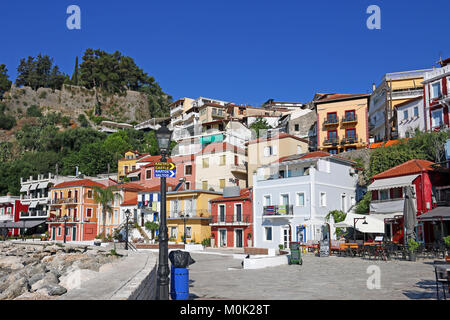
<point x="245" y="51"/>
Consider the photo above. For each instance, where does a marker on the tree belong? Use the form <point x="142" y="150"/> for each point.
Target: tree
<point x="7" y="122"/>
<point x="74" y="79"/>
<point x="259" y="124"/>
<point x="5" y="84"/>
<point x="152" y="227"/>
<point x="338" y="216"/>
<point x="39" y="72"/>
<point x="104" y="197"/>
<point x="363" y="206"/>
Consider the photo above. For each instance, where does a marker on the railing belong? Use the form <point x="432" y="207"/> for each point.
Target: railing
<point x="350" y="140"/>
<point x="231" y="219"/>
<point x="176" y="109"/>
<point x="330" y="121"/>
<point x="333" y="141"/>
<point x="278" y="210"/>
<point x="191" y="213"/>
<point x="238" y="167"/>
<point x="348" y="118"/>
<point x="64" y="201"/>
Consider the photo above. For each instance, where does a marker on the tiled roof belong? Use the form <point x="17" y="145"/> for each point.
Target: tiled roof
<point x="309" y="155"/>
<point x="76" y="183"/>
<point x="277" y="137"/>
<point x="245" y="194"/>
<point x="152" y="163"/>
<point x="130" y="202"/>
<point x="408" y="102"/>
<point x="156" y="188"/>
<point x="385" y="144"/>
<point x="341" y="97"/>
<point x="221" y="147"/>
<point x="130" y="185"/>
<point x="149" y="159"/>
<point x="406" y="168"/>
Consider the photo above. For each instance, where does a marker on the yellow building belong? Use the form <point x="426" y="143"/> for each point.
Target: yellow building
<point x="342" y="122"/>
<point x="128" y="163"/>
<point x="263" y="151"/>
<point x="190" y="209"/>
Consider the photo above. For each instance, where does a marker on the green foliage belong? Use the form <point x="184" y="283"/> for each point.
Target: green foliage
<point x="363" y="206"/>
<point x="151" y="226"/>
<point x="104" y="197"/>
<point x="83" y="121"/>
<point x="34" y="111"/>
<point x="206" y="242"/>
<point x="338" y="216"/>
<point x="447" y="241"/>
<point x="5" y="151"/>
<point x="5" y="84"/>
<point x="39" y="72"/>
<point x="259" y="124"/>
<point x="65" y="121"/>
<point x="42" y="95"/>
<point x="412" y="245"/>
<point x="7" y="122"/>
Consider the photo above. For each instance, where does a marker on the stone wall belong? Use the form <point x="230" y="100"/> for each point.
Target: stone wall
<point x="254" y="251"/>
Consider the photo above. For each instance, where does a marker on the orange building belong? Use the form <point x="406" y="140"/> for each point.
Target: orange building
<point x="74" y="200"/>
<point x="342" y="122"/>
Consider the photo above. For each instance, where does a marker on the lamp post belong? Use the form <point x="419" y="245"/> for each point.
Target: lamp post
<point x="127" y="215"/>
<point x="354" y="226"/>
<point x="23" y="233"/>
<point x="163" y="136"/>
<point x="185" y="216"/>
<point x="65" y="218"/>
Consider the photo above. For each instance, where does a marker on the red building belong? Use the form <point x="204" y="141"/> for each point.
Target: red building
<point x="232" y="218"/>
<point x="10" y="208"/>
<point x="145" y="175"/>
<point x="388" y="192"/>
<point x="437" y="97"/>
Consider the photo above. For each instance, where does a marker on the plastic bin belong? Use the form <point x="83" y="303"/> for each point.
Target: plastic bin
<point x="179" y="283"/>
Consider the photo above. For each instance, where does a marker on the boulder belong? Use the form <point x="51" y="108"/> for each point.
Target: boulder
<point x="52" y="290"/>
<point x="14" y="290"/>
<point x="76" y="277"/>
<point x="48" y="279"/>
<point x="34" y="296"/>
<point x="11" y="262"/>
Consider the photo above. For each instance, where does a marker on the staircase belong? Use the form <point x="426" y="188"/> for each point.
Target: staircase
<point x="143" y="233"/>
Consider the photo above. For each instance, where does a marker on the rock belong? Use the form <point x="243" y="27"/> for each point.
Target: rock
<point x="48" y="259"/>
<point x="11" y="262"/>
<point x="90" y="265"/>
<point x="52" y="290"/>
<point x="75" y="278"/>
<point x="34" y="296"/>
<point x="16" y="289"/>
<point x="35" y="278"/>
<point x="49" y="279"/>
<point x="106" y="267"/>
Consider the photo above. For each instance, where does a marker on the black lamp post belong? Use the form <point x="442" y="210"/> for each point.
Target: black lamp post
<point x="23" y="232"/>
<point x="65" y="218"/>
<point x="127" y="215"/>
<point x="185" y="216"/>
<point x="163" y="136"/>
<point x="354" y="226"/>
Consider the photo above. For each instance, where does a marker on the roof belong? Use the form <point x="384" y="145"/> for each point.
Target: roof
<point x="156" y="188"/>
<point x="149" y="158"/>
<point x="215" y="121"/>
<point x="436" y="214"/>
<point x="245" y="194"/>
<point x="310" y="155"/>
<point x="337" y="97"/>
<point x="221" y="147"/>
<point x="130" y="186"/>
<point x="152" y="163"/>
<point x="385" y="143"/>
<point x="276" y="137"/>
<point x="79" y="183"/>
<point x="406" y="168"/>
<point x="130" y="202"/>
<point x="408" y="101"/>
<point x="394" y="182"/>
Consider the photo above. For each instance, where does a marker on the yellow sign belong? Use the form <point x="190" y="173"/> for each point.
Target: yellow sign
<point x="164" y="166"/>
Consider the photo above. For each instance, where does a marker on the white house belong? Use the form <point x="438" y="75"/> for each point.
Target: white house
<point x="410" y="116"/>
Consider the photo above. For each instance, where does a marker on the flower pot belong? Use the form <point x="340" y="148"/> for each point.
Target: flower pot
<point x="412" y="256"/>
<point x="213" y="242"/>
<point x="249" y="243"/>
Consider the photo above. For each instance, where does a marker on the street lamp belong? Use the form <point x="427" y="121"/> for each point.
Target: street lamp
<point x="163" y="136"/>
<point x="184" y="216"/>
<point x="127" y="215"/>
<point x="354" y="226"/>
<point x="65" y="218"/>
<point x="23" y="232"/>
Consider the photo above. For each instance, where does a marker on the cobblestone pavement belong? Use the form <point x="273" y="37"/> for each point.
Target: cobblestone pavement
<point x="216" y="276"/>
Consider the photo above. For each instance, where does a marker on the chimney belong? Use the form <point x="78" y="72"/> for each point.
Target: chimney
<point x="373" y="87"/>
<point x="76" y="171"/>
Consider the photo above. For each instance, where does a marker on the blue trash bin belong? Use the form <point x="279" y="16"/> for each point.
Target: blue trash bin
<point x="179" y="283"/>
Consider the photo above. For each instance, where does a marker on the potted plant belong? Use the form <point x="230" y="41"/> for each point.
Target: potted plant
<point x="249" y="240"/>
<point x="412" y="248"/>
<point x="447" y="245"/>
<point x="98" y="241"/>
<point x="213" y="240"/>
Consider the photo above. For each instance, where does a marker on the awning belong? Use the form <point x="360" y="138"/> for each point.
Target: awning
<point x="387" y="207"/>
<point x="43" y="201"/>
<point x="436" y="214"/>
<point x="389" y="183"/>
<point x="22" y="224"/>
<point x="148" y="211"/>
<point x="134" y="174"/>
<point x="383" y="216"/>
<point x="34" y="186"/>
<point x="25" y="188"/>
<point x="33" y="205"/>
<point x="43" y="185"/>
<point x="373" y="225"/>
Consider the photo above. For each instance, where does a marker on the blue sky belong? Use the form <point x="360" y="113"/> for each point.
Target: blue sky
<point x="243" y="51"/>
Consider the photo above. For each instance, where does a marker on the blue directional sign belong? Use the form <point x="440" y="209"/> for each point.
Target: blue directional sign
<point x="160" y="173"/>
<point x="447" y="149"/>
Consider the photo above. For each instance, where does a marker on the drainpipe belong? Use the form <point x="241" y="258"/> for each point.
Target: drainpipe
<point x="312" y="174"/>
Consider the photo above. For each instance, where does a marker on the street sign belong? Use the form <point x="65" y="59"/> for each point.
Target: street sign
<point x="447" y="149"/>
<point x="162" y="173"/>
<point x="164" y="166"/>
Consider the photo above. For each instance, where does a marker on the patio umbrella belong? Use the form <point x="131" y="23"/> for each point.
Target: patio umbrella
<point x="409" y="215"/>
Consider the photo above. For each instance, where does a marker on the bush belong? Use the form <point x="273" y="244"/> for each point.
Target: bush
<point x="42" y="95"/>
<point x="7" y="122"/>
<point x="83" y="121"/>
<point x="412" y="245"/>
<point x="33" y="111"/>
<point x="206" y="242"/>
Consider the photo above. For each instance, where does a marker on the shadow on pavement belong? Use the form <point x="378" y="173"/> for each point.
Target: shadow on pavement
<point x="428" y="285"/>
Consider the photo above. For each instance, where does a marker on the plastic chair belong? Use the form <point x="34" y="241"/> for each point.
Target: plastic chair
<point x="441" y="278"/>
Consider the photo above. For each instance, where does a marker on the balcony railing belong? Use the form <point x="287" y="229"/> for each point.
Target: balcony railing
<point x="63" y="201"/>
<point x="34" y="213"/>
<point x="192" y="214"/>
<point x="331" y="141"/>
<point x="278" y="210"/>
<point x="350" y="140"/>
<point x="349" y="119"/>
<point x="176" y="109"/>
<point x="238" y="168"/>
<point x="330" y="121"/>
<point x="243" y="219"/>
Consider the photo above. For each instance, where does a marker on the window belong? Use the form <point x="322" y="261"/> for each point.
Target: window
<point x="323" y="199"/>
<point x="205" y="185"/>
<point x="2" y="211"/>
<point x="284" y="199"/>
<point x="268" y="233"/>
<point x="59" y="231"/>
<point x="332" y="135"/>
<point x="350" y="115"/>
<point x="397" y="193"/>
<point x="268" y="151"/>
<point x="332" y="151"/>
<point x="222" y="213"/>
<point x="350" y="133"/>
<point x="222" y="183"/>
<point x="436" y="118"/>
<point x="188" y="232"/>
<point x="116" y="214"/>
<point x="89" y="212"/>
<point x="343" y="203"/>
<point x="297" y="127"/>
<point x="8" y="210"/>
<point x="300" y="199"/>
<point x="332" y="117"/>
<point x="267" y="200"/>
<point x="148" y="174"/>
<point x="416" y="111"/>
<point x="238" y="212"/>
<point x="173" y="232"/>
<point x="205" y="163"/>
<point x="188" y="170"/>
<point x="126" y="169"/>
<point x="189" y="206"/>
<point x="299" y="149"/>
<point x="436" y="90"/>
<point x="222" y="160"/>
<point x="384" y="194"/>
<point x="89" y="194"/>
<point x="187" y="185"/>
<point x="405" y="114"/>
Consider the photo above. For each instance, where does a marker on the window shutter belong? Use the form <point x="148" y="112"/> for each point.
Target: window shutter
<point x="274" y="150"/>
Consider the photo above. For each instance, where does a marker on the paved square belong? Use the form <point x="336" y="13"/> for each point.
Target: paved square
<point x="318" y="278"/>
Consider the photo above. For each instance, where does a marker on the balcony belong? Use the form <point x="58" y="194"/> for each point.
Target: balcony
<point x="176" y="215"/>
<point x="349" y="119"/>
<point x="231" y="220"/>
<point x="350" y="140"/>
<point x="331" y="141"/>
<point x="176" y="110"/>
<point x="34" y="214"/>
<point x="238" y="168"/>
<point x="64" y="201"/>
<point x="278" y="211"/>
<point x="329" y="122"/>
<point x="177" y="120"/>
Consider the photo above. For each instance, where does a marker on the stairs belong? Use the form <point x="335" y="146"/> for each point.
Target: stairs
<point x="143" y="233"/>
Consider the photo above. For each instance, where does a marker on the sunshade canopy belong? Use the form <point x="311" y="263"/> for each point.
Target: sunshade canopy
<point x="25" y="188"/>
<point x="436" y="214"/>
<point x="390" y="183"/>
<point x="22" y="224"/>
<point x="373" y="225"/>
<point x="34" y="186"/>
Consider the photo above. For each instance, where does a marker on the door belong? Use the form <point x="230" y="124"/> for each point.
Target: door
<point x="53" y="233"/>
<point x="222" y="213"/>
<point x="238" y="237"/>
<point x="238" y="208"/>
<point x="74" y="233"/>
<point x="223" y="237"/>
<point x="286" y="237"/>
